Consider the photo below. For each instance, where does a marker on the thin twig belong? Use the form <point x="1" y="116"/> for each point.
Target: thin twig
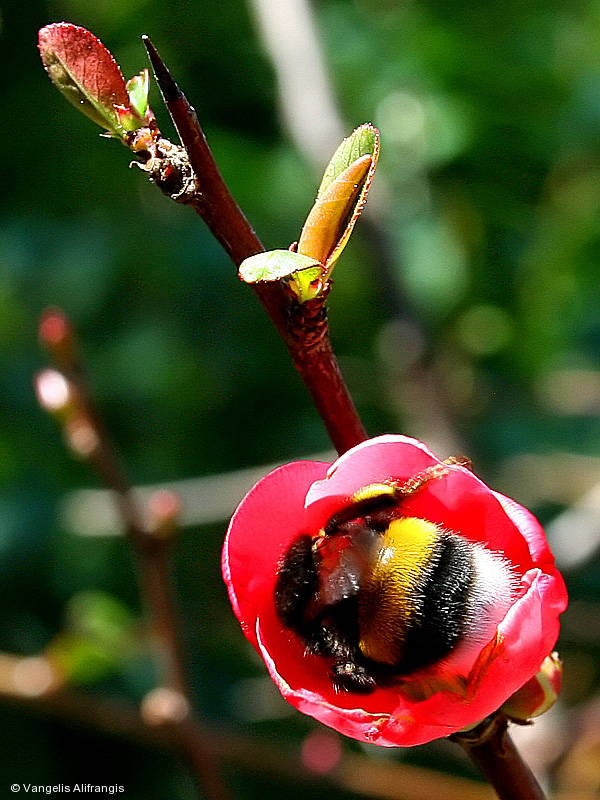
<point x="153" y="553"/>
<point x="153" y="556"/>
<point x="306" y="99"/>
<point x="492" y="749"/>
<point x="303" y="328"/>
<point x="118" y="717"/>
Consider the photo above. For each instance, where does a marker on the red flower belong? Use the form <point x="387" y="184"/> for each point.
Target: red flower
<point x="436" y="699"/>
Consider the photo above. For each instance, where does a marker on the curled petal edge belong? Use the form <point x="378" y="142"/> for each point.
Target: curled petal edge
<point x="443" y="713"/>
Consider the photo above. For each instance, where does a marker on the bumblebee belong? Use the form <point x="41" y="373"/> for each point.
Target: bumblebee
<point x="382" y="595"/>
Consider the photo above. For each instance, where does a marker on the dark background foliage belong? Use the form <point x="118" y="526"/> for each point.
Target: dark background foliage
<point x="465" y="312"/>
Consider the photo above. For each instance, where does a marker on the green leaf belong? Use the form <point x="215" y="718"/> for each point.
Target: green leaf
<point x="302" y="272"/>
<point x="328" y="218"/>
<point x="307" y="283"/>
<point x="100" y="617"/>
<point x="137" y="89"/>
<point x="341" y="198"/>
<point x="99" y="637"/>
<point x="361" y="142"/>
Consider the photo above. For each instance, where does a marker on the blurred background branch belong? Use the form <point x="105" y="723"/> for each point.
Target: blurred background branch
<point x="26" y="682"/>
<point x="68" y="396"/>
<point x="489" y="118"/>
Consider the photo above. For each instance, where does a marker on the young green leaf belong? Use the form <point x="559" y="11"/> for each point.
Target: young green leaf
<point x="341" y="197"/>
<point x="327" y="218"/>
<point x="363" y="141"/>
<point x="307" y="283"/>
<point x="81" y="67"/>
<point x="302" y="272"/>
<point x="137" y="89"/>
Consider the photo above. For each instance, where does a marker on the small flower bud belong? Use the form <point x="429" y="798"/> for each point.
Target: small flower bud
<point x="56" y="335"/>
<point x="539" y="693"/>
<point x="34" y="676"/>
<point x="164" y="507"/>
<point x="53" y="391"/>
<point x="164" y="706"/>
<point x="81" y="436"/>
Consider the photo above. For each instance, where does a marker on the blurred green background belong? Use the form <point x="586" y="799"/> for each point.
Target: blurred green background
<point x="464" y="311"/>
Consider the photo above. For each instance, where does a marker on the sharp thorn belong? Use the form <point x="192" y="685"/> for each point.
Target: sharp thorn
<point x="166" y="83"/>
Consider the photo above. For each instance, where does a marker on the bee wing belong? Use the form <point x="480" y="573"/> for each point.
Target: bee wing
<point x="342" y="581"/>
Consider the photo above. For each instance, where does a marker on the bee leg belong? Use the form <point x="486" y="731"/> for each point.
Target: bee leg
<point x="349" y="676"/>
<point x="319" y="640"/>
<point x="347" y="673"/>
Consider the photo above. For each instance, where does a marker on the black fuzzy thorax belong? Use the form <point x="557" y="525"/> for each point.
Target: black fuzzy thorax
<point x="297" y="583"/>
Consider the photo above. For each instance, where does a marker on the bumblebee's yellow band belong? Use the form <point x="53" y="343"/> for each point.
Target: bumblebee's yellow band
<point x="386" y="604"/>
<point x="373" y="491"/>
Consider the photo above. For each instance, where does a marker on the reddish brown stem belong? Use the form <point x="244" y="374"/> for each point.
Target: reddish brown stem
<point x="308" y="342"/>
<point x="303" y="328"/>
<point x="156" y="584"/>
<point x="321" y="374"/>
<point x="494" y="752"/>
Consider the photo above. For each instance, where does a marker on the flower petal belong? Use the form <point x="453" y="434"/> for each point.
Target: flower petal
<point x="438" y="700"/>
<point x="267" y="520"/>
<point x="389" y="457"/>
<point x="391" y="717"/>
<point x="530" y="529"/>
<point x="458" y="500"/>
<point x="461" y="502"/>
